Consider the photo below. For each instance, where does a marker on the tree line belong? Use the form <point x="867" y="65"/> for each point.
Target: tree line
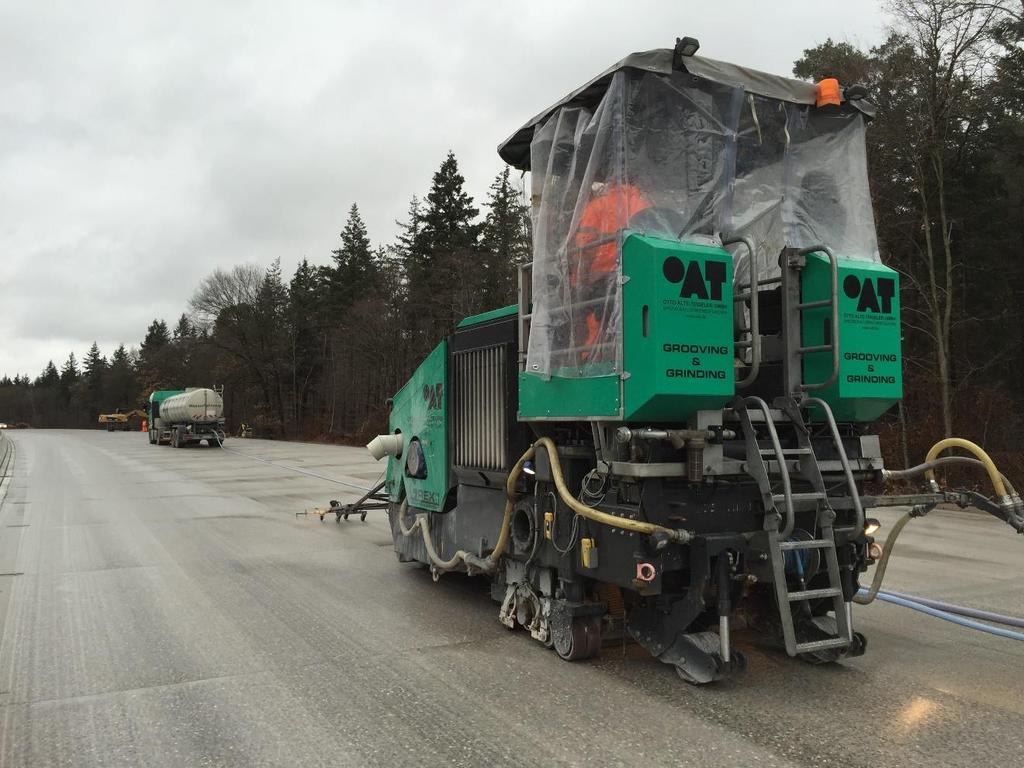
<point x="317" y="354"/>
<point x="946" y="167"/>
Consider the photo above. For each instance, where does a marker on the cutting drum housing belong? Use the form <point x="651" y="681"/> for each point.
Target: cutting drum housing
<point x="670" y="433"/>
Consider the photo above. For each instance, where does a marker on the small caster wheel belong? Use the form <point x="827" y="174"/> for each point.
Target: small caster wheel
<point x="582" y="641"/>
<point x="362" y="517"/>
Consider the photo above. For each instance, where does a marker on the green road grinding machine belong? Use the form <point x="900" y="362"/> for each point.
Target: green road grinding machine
<point x="669" y="435"/>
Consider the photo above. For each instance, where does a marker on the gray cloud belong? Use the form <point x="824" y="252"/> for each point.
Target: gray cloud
<point x="145" y="144"/>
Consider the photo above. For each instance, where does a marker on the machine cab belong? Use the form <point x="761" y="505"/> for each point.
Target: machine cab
<point x="664" y="193"/>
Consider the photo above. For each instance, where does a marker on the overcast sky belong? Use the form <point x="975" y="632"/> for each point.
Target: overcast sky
<point x="143" y="144"/>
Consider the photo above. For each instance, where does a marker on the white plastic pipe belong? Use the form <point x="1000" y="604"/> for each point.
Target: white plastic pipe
<point x="385" y="445"/>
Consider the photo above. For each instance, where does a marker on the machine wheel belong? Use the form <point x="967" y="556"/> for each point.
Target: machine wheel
<point x="582" y="642"/>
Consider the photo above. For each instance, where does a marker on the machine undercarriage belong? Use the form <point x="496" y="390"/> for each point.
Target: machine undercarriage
<point x="573" y="582"/>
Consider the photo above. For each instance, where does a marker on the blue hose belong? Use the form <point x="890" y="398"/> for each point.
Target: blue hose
<point x="962" y="621"/>
<point x="962" y="610"/>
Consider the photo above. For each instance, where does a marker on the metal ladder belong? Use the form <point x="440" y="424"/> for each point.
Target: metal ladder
<point x="779" y="526"/>
<point x="792" y="262"/>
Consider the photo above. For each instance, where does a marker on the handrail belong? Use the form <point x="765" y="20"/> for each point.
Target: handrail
<point x="780" y="458"/>
<point x="843" y="460"/>
<point x="755" y="319"/>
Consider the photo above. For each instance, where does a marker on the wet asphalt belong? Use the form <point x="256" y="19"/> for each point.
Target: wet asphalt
<point x="165" y="607"/>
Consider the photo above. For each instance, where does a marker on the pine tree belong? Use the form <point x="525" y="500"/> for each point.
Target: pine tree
<point x="94" y="365"/>
<point x="307" y="320"/>
<point x="157" y="364"/>
<point x="441" y="257"/>
<point x="94" y="370"/>
<point x="184" y="329"/>
<point x="69" y="371"/>
<point x="505" y="239"/>
<point x="448" y="222"/>
<point x="157" y="337"/>
<point x="121" y="386"/>
<point x="49" y="377"/>
<point x="354" y="272"/>
<point x="409" y="234"/>
<point x="120" y="358"/>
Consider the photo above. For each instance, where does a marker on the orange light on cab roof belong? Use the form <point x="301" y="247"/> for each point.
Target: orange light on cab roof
<point x="828" y="92"/>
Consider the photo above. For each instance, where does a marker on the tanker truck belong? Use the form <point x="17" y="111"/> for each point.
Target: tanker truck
<point x="183" y="416"/>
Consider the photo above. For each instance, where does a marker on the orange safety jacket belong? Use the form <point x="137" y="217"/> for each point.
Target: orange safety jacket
<point x="602" y="217"/>
<point x="598" y="253"/>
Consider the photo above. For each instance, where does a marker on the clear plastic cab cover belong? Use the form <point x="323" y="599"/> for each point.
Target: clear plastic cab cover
<point x="676" y="156"/>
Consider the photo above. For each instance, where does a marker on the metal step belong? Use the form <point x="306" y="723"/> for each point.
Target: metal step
<point x="813" y="594"/>
<point x="820" y="645"/>
<point x="811" y="544"/>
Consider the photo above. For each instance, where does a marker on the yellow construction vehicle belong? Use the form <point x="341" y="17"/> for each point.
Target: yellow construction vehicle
<point x="123" y="422"/>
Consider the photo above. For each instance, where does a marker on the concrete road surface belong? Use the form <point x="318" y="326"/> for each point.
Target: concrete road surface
<point x="165" y="607"/>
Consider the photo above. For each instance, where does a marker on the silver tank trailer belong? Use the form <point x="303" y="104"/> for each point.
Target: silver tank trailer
<point x="197" y="406"/>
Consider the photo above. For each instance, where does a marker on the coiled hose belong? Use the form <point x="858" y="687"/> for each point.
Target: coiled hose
<point x="487" y="564"/>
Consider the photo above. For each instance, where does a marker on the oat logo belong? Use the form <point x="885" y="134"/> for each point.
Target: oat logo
<point x="872" y="294"/>
<point x="433" y="395"/>
<point x="693" y="283"/>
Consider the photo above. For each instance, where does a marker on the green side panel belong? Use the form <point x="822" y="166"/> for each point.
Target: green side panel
<point x="560" y="397"/>
<point x="162" y="394"/>
<point x="420" y="412"/>
<point x="677" y="309"/>
<point x="483" y="317"/>
<point x="870" y="363"/>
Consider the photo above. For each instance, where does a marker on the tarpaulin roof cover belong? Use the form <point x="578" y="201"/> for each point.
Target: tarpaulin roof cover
<point x="715" y="149"/>
<point x="515" y="150"/>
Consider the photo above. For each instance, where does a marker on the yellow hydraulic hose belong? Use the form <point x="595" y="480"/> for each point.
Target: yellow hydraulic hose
<point x="1010" y="504"/>
<point x="957" y="442"/>
<point x="462" y="556"/>
<point x="581" y="509"/>
<point x="487" y="564"/>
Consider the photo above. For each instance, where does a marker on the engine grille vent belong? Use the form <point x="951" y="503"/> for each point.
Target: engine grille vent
<point x="480" y="402"/>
